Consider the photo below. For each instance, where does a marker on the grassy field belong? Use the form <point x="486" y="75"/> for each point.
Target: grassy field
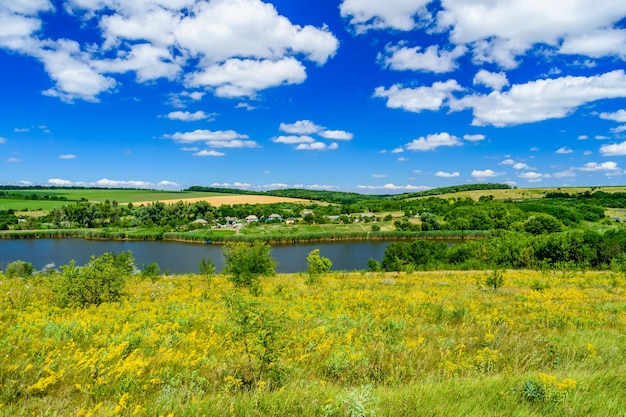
<point x="353" y="344"/>
<point x="527" y="193"/>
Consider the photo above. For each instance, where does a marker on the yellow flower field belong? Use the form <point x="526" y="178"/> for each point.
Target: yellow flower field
<point x="426" y="343"/>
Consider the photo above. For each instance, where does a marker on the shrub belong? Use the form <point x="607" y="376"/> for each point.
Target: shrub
<point x="317" y="265"/>
<point x="152" y="270"/>
<point x="246" y="262"/>
<point x="20" y="269"/>
<point x="101" y="280"/>
<point x="207" y="267"/>
<point x="495" y="280"/>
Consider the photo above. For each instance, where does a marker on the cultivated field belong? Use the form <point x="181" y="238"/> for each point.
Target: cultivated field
<point x="230" y="199"/>
<point x="354" y="344"/>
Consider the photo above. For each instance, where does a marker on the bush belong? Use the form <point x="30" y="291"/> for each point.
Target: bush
<point x="317" y="265"/>
<point x="151" y="270"/>
<point x="99" y="281"/>
<point x="20" y="269"/>
<point x="246" y="262"/>
<point x="495" y="280"/>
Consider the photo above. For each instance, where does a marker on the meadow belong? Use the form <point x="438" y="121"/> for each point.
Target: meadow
<point x="446" y="343"/>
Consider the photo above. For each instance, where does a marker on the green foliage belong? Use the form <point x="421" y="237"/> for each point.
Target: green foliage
<point x="541" y="223"/>
<point x="152" y="270"/>
<point x="207" y="267"/>
<point x="495" y="279"/>
<point x="247" y="262"/>
<point x="20" y="269"/>
<point x="101" y="280"/>
<point x="356" y="402"/>
<point x="317" y="264"/>
<point x="373" y="265"/>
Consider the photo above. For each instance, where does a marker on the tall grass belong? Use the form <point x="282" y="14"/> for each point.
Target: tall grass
<point x="367" y="344"/>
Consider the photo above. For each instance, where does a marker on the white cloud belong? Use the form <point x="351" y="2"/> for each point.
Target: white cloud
<point x="2" y="140"/>
<point x="379" y="176"/>
<point x="564" y="150"/>
<point x="336" y="134"/>
<point x="508" y="162"/>
<point x="601" y="137"/>
<point x="60" y="182"/>
<point x="618" y="116"/>
<point x="494" y="80"/>
<point x="252" y="47"/>
<point x="615" y="149"/>
<point x="209" y="153"/>
<point x="618" y="129"/>
<point x="292" y="140"/>
<point x="244" y="77"/>
<point x="499" y="31"/>
<point x="21" y="130"/>
<point x="443" y="174"/>
<point x="67" y="156"/>
<point x="397" y="150"/>
<point x="206" y="135"/>
<point x="433" y="59"/>
<point x="541" y="100"/>
<point x="487" y="173"/>
<point x="604" y="166"/>
<point x="568" y="173"/>
<point x="432" y="142"/>
<point x="532" y="176"/>
<point x="374" y="14"/>
<point x="583" y="137"/>
<point x="597" y="44"/>
<point x="317" y="146"/>
<point x="188" y="116"/>
<point x="474" y="138"/>
<point x="419" y="98"/>
<point x="301" y="127"/>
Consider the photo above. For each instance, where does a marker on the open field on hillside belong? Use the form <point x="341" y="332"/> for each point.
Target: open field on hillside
<point x="367" y="344"/>
<point x="231" y="199"/>
<point x="527" y="193"/>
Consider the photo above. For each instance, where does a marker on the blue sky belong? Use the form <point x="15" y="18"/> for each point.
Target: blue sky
<point x="352" y="95"/>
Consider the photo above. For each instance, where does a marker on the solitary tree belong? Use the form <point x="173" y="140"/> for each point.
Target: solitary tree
<point x="245" y="263"/>
<point x="317" y="265"/>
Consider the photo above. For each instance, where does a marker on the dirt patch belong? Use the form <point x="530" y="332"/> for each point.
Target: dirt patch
<point x="232" y="199"/>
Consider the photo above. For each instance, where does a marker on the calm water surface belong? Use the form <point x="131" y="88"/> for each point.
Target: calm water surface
<point x="182" y="257"/>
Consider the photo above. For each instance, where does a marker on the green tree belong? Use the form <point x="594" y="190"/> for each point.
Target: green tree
<point x="247" y="262"/>
<point x="101" y="280"/>
<point x="20" y="269"/>
<point x="317" y="265"/>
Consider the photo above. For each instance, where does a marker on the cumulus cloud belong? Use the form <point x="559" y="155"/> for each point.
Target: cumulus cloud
<point x="367" y="15"/>
<point x="419" y="98"/>
<point x="604" y="166"/>
<point x="108" y="183"/>
<point x="474" y="138"/>
<point x="186" y="116"/>
<point x="252" y="47"/>
<point x="432" y="142"/>
<point x="210" y="152"/>
<point x="67" y="156"/>
<point x="433" y="59"/>
<point x="597" y="44"/>
<point x="614" y="149"/>
<point x="618" y="116"/>
<point x="336" y="134"/>
<point x="532" y="176"/>
<point x="494" y="80"/>
<point x="501" y="31"/>
<point x="293" y="140"/>
<point x="300" y="127"/>
<point x="564" y="150"/>
<point x="541" y="100"/>
<point x="206" y="135"/>
<point x="487" y="173"/>
<point x="443" y="174"/>
<point x="317" y="146"/>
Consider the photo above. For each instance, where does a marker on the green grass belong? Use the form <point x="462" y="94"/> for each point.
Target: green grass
<point x="94" y="195"/>
<point x="527" y="193"/>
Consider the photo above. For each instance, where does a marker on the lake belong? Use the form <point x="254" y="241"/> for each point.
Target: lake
<point x="181" y="258"/>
